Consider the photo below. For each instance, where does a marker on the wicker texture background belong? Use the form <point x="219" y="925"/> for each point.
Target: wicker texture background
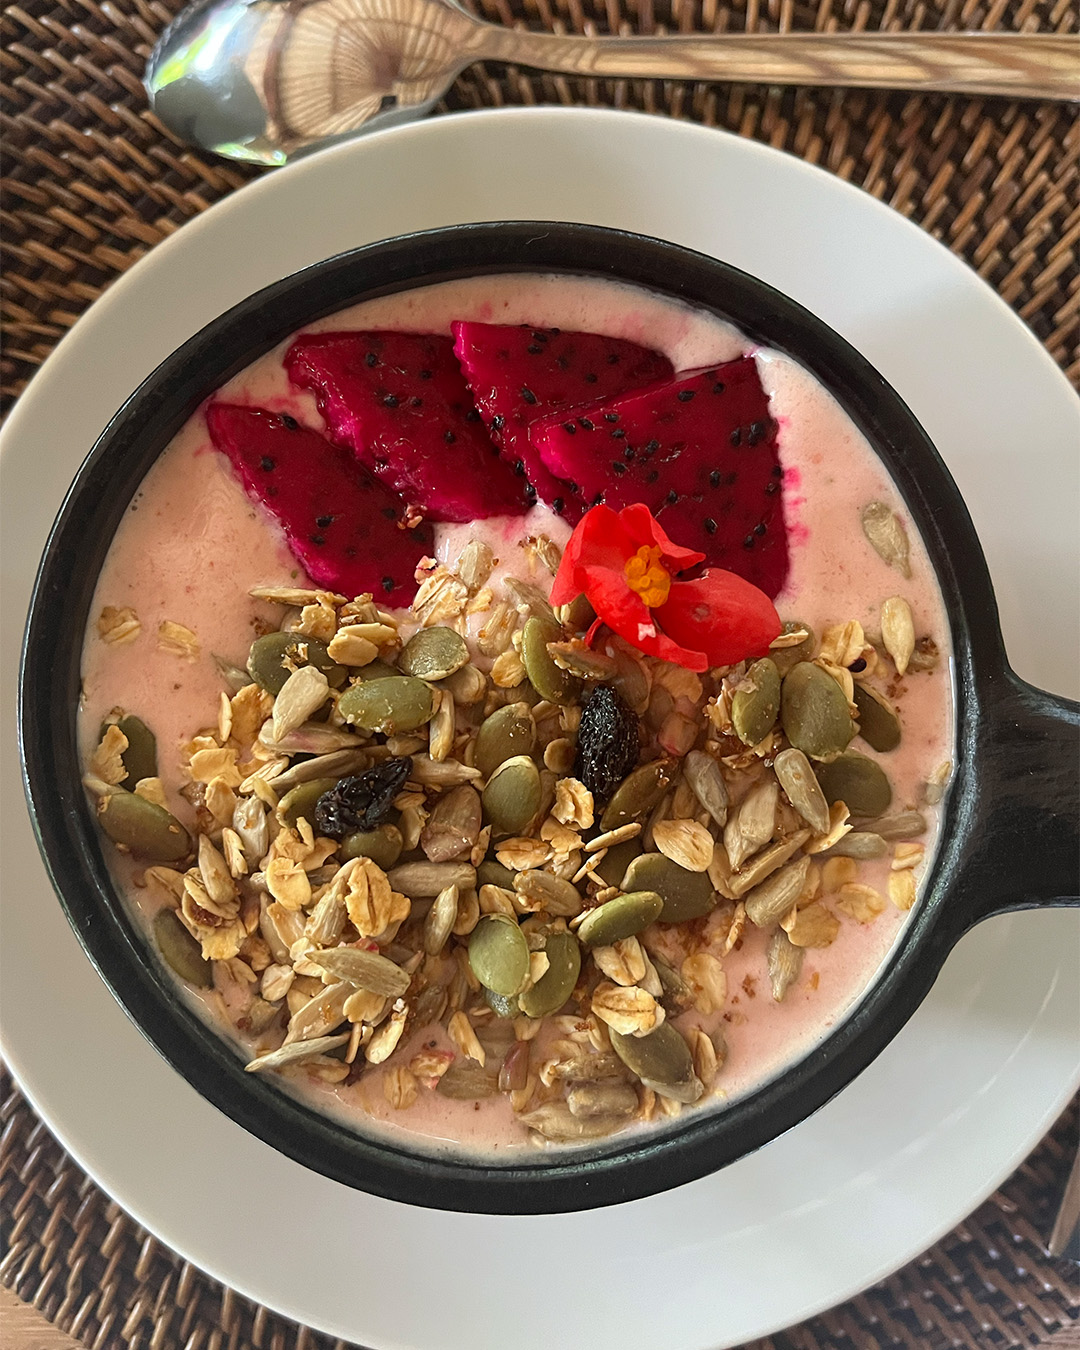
<point x="91" y="182"/>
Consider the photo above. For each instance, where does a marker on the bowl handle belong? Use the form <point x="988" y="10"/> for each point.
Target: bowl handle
<point x="1025" y="809"/>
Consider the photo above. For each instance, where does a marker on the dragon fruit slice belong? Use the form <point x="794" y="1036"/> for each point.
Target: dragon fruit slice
<point x="341" y="523"/>
<point x="400" y="402"/>
<point x="700" y="453"/>
<point x="519" y="374"/>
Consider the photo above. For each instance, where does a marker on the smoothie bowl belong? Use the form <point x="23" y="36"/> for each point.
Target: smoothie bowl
<point x="532" y="719"/>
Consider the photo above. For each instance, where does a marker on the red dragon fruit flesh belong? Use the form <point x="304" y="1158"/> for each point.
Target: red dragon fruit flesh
<point x="700" y="453"/>
<point x="520" y="373"/>
<point x="341" y="523"/>
<point x="400" y="402"/>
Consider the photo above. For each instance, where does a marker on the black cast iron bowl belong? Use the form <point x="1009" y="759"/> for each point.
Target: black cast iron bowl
<point x="1009" y="836"/>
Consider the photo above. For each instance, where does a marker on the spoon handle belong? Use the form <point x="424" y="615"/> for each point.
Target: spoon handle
<point x="1013" y="65"/>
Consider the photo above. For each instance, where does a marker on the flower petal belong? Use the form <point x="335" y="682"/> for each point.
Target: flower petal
<point x="638" y="522"/>
<point x="598" y="539"/>
<point x="722" y="615"/>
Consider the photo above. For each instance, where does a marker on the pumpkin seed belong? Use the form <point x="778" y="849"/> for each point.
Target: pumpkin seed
<point x="784" y="962"/>
<point x="904" y="825"/>
<point x="366" y="970"/>
<point x="397" y="704"/>
<point x="675" y="994"/>
<point x="879" y="725"/>
<point x="814" y="712"/>
<point x="799" y="781"/>
<point x="557" y="983"/>
<point x="143" y="827"/>
<point x="638" y="793"/>
<point x="433" y="654"/>
<point x="857" y="781"/>
<point x="578" y="615"/>
<point x="382" y="845"/>
<point x="751" y="824"/>
<point x="181" y="951"/>
<point x="581" y="660"/>
<point x="768" y="902"/>
<point x="706" y="781"/>
<point x="555" y="1121"/>
<point x="622" y="917"/>
<point x="513" y="794"/>
<point x="140" y="757"/>
<point x="784" y="658"/>
<point x="685" y="895"/>
<point x="612" y="866"/>
<point x="424" y="880"/>
<point x="555" y="896"/>
<point x="557" y="686"/>
<point x="507" y="732"/>
<point x="886" y="536"/>
<point x="662" y="1060"/>
<point x="375" y="670"/>
<point x="453" y="826"/>
<point x="861" y="844"/>
<point x="500" y="1005"/>
<point x="753" y="711"/>
<point x="499" y="954"/>
<point x="491" y="872"/>
<point x="270" y="653"/>
<point x="467" y="1081"/>
<point x="300" y="801"/>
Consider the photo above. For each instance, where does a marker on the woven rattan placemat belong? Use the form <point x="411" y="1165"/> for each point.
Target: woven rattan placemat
<point x="91" y="182"/>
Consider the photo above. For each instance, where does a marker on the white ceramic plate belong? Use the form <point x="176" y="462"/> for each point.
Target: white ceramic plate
<point x="903" y="1154"/>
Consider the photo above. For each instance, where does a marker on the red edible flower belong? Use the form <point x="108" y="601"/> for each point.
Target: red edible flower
<point x="628" y="568"/>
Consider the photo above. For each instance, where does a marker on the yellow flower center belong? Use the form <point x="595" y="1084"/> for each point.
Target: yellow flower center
<point x="648" y="576"/>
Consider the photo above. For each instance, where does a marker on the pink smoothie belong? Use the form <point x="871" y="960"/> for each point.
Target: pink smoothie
<point x="192" y="545"/>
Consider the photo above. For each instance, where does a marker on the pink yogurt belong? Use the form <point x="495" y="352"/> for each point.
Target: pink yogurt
<point x="192" y="545"/>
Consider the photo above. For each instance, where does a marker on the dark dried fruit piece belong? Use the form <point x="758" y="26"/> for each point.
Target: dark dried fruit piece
<point x="363" y="801"/>
<point x="608" y="742"/>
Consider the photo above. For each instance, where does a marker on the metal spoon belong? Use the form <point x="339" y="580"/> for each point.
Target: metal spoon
<point x="263" y="80"/>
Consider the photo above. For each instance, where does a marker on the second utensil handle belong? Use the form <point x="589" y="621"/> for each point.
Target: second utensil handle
<point x="1016" y="65"/>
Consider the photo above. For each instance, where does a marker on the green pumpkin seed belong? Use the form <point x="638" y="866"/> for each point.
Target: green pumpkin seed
<point x="491" y="872"/>
<point x="685" y="895"/>
<point x="662" y="1060"/>
<point x="638" y="793"/>
<point x="500" y="1005"/>
<point x="507" y="732"/>
<point x="557" y="686"/>
<point x="879" y="725"/>
<point x="140" y="757"/>
<point x="180" y="950"/>
<point x="392" y="705"/>
<point x="143" y="827"/>
<point x="374" y="670"/>
<point x="612" y="866"/>
<point x="753" y="711"/>
<point x="433" y="654"/>
<point x="300" y="801"/>
<point x="783" y="658"/>
<point x="557" y="983"/>
<point x="814" y="712"/>
<point x="857" y="781"/>
<point x="269" y="654"/>
<point x="383" y="846"/>
<point x="513" y="794"/>
<point x="620" y="918"/>
<point x="578" y="615"/>
<point x="799" y="781"/>
<point x="499" y="954"/>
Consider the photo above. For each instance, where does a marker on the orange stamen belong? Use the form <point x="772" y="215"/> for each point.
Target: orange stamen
<point x="648" y="577"/>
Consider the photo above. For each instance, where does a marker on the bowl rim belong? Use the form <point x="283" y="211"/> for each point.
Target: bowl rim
<point x="615" y="1170"/>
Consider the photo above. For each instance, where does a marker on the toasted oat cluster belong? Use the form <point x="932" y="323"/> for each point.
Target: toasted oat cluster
<point x="484" y="848"/>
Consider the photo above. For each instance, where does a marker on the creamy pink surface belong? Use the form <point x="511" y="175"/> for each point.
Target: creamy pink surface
<point x="192" y="545"/>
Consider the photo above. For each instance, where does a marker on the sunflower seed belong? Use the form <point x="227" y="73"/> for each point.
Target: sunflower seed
<point x="703" y="774"/>
<point x="785" y="963"/>
<point x="752" y="823"/>
<point x="295" y="1053"/>
<point x="366" y="970"/>
<point x="898" y="631"/>
<point x="771" y="899"/>
<point x="799" y="781"/>
<point x="886" y="536"/>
